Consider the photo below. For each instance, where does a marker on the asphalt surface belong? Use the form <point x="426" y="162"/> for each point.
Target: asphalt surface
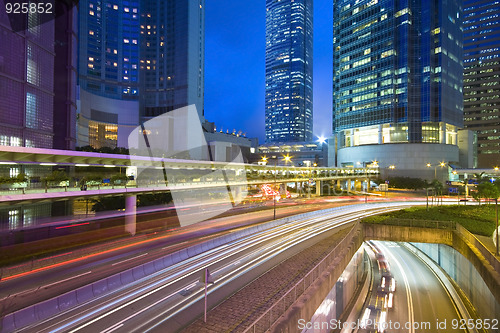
<point x="420" y="303"/>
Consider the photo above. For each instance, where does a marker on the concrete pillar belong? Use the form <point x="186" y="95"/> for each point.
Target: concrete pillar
<point x="319" y="187"/>
<point x="237" y="190"/>
<point x="380" y="134"/>
<point x="442" y="131"/>
<point x="130" y="213"/>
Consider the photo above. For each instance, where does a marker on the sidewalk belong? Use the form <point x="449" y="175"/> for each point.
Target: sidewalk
<point x="487" y="242"/>
<point x="240" y="310"/>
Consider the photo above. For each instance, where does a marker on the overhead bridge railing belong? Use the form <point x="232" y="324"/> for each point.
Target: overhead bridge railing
<point x="35" y="170"/>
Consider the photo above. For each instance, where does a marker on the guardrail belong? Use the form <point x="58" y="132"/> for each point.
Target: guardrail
<point x="488" y="256"/>
<point x="268" y="318"/>
<point x="447" y="225"/>
<point x="166" y="186"/>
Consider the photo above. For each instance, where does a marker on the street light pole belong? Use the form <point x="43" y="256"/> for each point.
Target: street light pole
<point x="274" y="195"/>
<point x="496" y="211"/>
<point x="427" y="197"/>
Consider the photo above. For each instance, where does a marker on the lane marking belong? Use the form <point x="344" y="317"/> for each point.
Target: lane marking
<point x="112" y="328"/>
<point x="411" y="329"/>
<point x="332" y="217"/>
<point x="142" y="255"/>
<point x="70" y="278"/>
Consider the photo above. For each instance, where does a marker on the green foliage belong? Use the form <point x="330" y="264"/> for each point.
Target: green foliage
<point x="20" y="178"/>
<point x="407" y="183"/>
<point x="486" y="190"/>
<point x="94" y="178"/>
<point x="479" y="220"/>
<point x="119" y="178"/>
<point x="57" y="176"/>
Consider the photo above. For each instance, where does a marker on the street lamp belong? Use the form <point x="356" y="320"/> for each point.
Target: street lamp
<point x="441" y="164"/>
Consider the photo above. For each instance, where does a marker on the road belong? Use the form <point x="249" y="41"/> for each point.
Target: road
<point x="420" y="303"/>
<point x="163" y="298"/>
<point x="28" y="283"/>
<point x="65" y="271"/>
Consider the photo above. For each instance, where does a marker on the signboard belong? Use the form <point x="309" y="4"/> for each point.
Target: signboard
<point x="383" y="187"/>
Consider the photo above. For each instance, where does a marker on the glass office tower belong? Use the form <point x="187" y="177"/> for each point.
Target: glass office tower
<point x="482" y="77"/>
<point x="36" y="63"/>
<point x="172" y="56"/>
<point x="397" y="79"/>
<point x="289" y="70"/>
<point x="108" y="72"/>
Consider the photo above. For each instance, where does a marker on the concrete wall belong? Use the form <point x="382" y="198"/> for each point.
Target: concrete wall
<point x="409" y="159"/>
<point x="341" y="294"/>
<point x="463" y="272"/>
<point x="474" y="257"/>
<point x="407" y="234"/>
<point x="127" y="113"/>
<point x="307" y="305"/>
<point x="461" y="240"/>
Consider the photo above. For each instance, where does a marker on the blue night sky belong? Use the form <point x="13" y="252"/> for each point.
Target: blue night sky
<point x="235" y="38"/>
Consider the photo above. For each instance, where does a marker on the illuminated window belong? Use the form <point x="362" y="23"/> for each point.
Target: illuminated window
<point x="31" y="111"/>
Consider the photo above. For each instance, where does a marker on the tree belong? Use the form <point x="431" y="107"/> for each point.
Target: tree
<point x="57" y="176"/>
<point x="437" y="186"/>
<point x="486" y="190"/>
<point x="118" y="179"/>
<point x="407" y="182"/>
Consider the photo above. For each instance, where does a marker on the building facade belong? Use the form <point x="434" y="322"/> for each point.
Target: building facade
<point x="138" y="60"/>
<point x="108" y="108"/>
<point x="396" y="81"/>
<point x="172" y="56"/>
<point x="482" y="77"/>
<point x="31" y="53"/>
<point x="289" y="71"/>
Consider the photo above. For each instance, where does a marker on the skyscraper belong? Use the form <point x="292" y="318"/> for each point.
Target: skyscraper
<point x="289" y="70"/>
<point x="482" y="77"/>
<point x="31" y="52"/>
<point x="138" y="59"/>
<point x="172" y="56"/>
<point x="396" y="81"/>
<point x="108" y="72"/>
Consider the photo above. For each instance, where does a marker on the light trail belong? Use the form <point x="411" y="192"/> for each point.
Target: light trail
<point x="309" y="229"/>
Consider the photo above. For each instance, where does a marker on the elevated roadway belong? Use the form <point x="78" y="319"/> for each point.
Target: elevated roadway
<point x="164" y="174"/>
